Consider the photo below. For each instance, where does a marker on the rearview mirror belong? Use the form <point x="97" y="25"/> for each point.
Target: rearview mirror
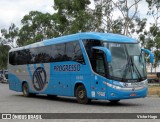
<point x="150" y="54"/>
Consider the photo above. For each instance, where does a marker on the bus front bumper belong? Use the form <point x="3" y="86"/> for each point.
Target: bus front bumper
<point x="117" y="93"/>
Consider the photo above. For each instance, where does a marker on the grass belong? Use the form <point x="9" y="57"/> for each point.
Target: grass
<point x="154" y="90"/>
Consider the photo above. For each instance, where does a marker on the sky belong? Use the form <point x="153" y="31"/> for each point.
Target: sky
<point x="12" y="11"/>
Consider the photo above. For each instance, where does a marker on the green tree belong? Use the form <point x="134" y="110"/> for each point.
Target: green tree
<point x="37" y="26"/>
<point x="127" y="23"/>
<point x="7" y="41"/>
<point x="10" y="35"/>
<point x="153" y="35"/>
<point x="74" y="16"/>
<point x="3" y="56"/>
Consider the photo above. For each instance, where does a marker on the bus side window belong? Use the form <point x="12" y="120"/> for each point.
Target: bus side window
<point x="12" y="58"/>
<point x="74" y="52"/>
<point x="98" y="64"/>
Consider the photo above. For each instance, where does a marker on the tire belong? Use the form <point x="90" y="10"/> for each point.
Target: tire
<point x="114" y="101"/>
<point x="52" y="96"/>
<point x="25" y="90"/>
<point x="81" y="95"/>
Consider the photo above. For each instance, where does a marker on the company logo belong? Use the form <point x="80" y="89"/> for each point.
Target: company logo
<point x="6" y="116"/>
<point x="67" y="68"/>
<point x="39" y="79"/>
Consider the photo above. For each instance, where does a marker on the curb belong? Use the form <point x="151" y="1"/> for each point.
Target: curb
<point x="153" y="96"/>
<point x="4" y="82"/>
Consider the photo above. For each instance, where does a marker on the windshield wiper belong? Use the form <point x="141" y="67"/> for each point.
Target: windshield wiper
<point x="138" y="73"/>
<point x="129" y="67"/>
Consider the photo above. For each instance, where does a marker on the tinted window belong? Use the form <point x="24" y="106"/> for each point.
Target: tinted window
<point x="100" y="64"/>
<point x="12" y="58"/>
<point x="54" y="53"/>
<point x="42" y="54"/>
<point x="59" y="51"/>
<point x="89" y="44"/>
<point x="74" y="53"/>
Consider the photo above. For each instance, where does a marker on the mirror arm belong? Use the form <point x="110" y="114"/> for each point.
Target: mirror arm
<point x="150" y="53"/>
<point x="106" y="51"/>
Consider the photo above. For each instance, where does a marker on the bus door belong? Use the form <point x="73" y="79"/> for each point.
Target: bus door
<point x="99" y="67"/>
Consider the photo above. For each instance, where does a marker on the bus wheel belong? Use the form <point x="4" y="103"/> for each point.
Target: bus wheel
<point x="52" y="96"/>
<point x="25" y="90"/>
<point x="81" y="95"/>
<point x="114" y="101"/>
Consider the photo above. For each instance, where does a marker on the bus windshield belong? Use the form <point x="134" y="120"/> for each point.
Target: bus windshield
<point x="127" y="61"/>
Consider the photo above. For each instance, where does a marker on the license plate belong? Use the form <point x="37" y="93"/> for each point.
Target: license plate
<point x="133" y="95"/>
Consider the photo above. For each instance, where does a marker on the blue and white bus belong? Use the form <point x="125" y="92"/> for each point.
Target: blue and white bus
<point x="89" y="65"/>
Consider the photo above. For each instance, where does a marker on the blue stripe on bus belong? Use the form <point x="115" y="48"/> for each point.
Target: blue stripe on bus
<point x="42" y="65"/>
<point x="35" y="66"/>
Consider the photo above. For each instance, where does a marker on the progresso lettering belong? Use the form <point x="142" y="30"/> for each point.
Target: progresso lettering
<point x="67" y="68"/>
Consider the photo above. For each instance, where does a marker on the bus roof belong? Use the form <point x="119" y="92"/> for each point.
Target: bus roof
<point x="108" y="37"/>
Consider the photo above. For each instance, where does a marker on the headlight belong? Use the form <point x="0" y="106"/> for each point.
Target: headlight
<point x="111" y="85"/>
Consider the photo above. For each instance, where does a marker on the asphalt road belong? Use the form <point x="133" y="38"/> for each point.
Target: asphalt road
<point x="14" y="102"/>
